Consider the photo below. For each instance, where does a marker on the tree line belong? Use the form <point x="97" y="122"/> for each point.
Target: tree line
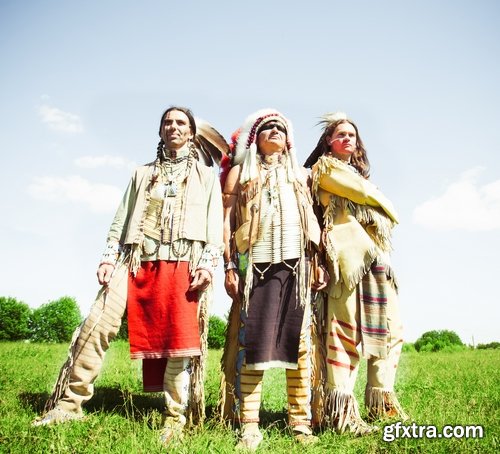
<point x="51" y="322"/>
<point x="56" y="321"/>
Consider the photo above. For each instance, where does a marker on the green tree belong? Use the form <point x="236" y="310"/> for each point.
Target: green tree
<point x="14" y="319"/>
<point x="491" y="345"/>
<point x="55" y="321"/>
<point x="433" y="341"/>
<point x="216" y="332"/>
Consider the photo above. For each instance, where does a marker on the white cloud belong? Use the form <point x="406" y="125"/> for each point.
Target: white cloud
<point x="116" y="162"/>
<point x="59" y="120"/>
<point x="97" y="197"/>
<point x="465" y="205"/>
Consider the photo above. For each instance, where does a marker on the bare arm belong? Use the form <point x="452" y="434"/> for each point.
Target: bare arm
<point x="229" y="199"/>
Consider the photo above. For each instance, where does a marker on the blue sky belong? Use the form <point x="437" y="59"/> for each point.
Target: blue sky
<point x="83" y="84"/>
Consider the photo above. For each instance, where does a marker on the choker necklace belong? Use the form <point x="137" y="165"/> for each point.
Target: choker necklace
<point x="168" y="154"/>
<point x="269" y="161"/>
<point x="174" y="155"/>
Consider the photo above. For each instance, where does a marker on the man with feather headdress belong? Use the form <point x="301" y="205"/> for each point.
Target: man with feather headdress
<point x="270" y="233"/>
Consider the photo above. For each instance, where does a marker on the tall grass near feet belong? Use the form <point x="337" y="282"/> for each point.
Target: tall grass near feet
<point x="434" y="388"/>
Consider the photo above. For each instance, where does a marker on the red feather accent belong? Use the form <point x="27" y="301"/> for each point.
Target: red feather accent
<point x="227" y="161"/>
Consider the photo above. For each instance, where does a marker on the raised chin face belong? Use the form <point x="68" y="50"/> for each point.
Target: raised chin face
<point x="271" y="138"/>
<point x="176" y="130"/>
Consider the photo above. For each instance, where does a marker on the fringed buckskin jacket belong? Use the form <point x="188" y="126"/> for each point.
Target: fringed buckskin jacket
<point x="358" y="220"/>
<point x="202" y="209"/>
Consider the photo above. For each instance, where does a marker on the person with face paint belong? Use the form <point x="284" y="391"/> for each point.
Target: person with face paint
<point x="362" y="305"/>
<point x="161" y="253"/>
<point x="270" y="232"/>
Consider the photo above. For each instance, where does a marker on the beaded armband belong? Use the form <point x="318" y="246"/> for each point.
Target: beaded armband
<point x="111" y="253"/>
<point x="209" y="258"/>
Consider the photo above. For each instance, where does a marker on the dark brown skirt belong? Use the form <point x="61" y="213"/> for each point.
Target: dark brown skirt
<point x="271" y="326"/>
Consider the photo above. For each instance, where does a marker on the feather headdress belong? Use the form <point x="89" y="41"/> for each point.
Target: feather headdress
<point x="330" y="118"/>
<point x="245" y="153"/>
<point x="211" y="146"/>
<point x="227" y="161"/>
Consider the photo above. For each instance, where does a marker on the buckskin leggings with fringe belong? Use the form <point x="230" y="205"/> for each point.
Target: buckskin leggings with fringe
<point x="342" y="361"/>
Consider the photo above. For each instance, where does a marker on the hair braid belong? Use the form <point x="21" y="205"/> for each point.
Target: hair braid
<point x="159" y="150"/>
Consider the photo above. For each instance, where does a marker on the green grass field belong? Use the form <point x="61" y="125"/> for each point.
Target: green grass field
<point x="434" y="388"/>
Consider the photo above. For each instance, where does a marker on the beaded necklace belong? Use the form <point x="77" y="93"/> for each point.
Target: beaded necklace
<point x="174" y="174"/>
<point x="272" y="167"/>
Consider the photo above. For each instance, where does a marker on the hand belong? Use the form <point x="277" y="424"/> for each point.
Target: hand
<point x="104" y="273"/>
<point x="201" y="280"/>
<point x="232" y="283"/>
<point x="321" y="279"/>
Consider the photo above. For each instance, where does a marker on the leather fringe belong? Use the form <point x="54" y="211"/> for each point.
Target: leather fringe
<point x="318" y="357"/>
<point x="341" y="411"/>
<point x="76" y="345"/>
<point x="195" y="414"/>
<point x="226" y="408"/>
<point x="62" y="381"/>
<point x="382" y="403"/>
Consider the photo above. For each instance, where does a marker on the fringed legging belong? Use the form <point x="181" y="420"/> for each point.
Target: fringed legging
<point x="298" y="390"/>
<point x="342" y="361"/>
<point x="75" y="385"/>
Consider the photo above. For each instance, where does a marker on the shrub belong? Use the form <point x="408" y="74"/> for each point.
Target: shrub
<point x="491" y="345"/>
<point x="55" y="321"/>
<point x="454" y="348"/>
<point x="408" y="347"/>
<point x="14" y="319"/>
<point x="433" y="341"/>
<point x="123" y="332"/>
<point x="216" y="332"/>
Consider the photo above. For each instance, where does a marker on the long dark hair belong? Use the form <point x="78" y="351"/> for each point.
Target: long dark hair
<point x="359" y="159"/>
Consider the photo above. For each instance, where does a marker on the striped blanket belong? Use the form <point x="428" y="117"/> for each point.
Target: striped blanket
<point x="373" y="304"/>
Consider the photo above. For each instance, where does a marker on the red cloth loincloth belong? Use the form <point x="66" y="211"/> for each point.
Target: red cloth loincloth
<point x="162" y="315"/>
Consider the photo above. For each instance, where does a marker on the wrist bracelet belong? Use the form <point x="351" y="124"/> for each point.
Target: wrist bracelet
<point x="230" y="266"/>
